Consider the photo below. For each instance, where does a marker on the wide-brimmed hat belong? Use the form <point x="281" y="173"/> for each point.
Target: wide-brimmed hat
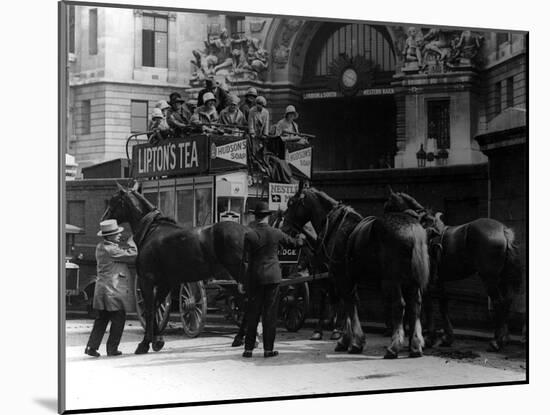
<point x="261" y="100"/>
<point x="290" y="109"/>
<point x="157" y="113"/>
<point x="261" y="209"/>
<point x="251" y="91"/>
<point x="109" y="227"/>
<point x="208" y="96"/>
<point x="162" y="105"/>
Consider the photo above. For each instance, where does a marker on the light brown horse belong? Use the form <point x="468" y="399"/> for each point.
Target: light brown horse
<point x="484" y="247"/>
<point x="392" y="247"/>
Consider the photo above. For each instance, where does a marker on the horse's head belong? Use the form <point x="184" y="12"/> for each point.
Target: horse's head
<point x="395" y="203"/>
<point x="127" y="205"/>
<point x="298" y="212"/>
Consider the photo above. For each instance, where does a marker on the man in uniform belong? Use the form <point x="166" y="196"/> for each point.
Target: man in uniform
<point x="111" y="288"/>
<point x="264" y="276"/>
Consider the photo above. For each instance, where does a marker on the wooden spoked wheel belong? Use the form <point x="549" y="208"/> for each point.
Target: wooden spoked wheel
<point x="294" y="306"/>
<point x="192" y="301"/>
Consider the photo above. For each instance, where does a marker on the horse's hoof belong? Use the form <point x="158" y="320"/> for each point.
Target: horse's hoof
<point x="355" y="350"/>
<point x="336" y="335"/>
<point x="446" y="341"/>
<point x="390" y="354"/>
<point x="237" y="341"/>
<point x="317" y="336"/>
<point x="416" y="353"/>
<point x="158" y="345"/>
<point x="142" y="348"/>
<point x="494" y="346"/>
<point x="340" y="348"/>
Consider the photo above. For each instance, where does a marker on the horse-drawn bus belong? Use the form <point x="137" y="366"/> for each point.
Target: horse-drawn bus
<point x="204" y="178"/>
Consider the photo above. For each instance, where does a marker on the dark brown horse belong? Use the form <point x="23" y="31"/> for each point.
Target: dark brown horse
<point x="169" y="254"/>
<point x="484" y="247"/>
<point x="392" y="247"/>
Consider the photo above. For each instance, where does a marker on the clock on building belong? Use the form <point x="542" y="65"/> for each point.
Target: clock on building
<point x="349" y="78"/>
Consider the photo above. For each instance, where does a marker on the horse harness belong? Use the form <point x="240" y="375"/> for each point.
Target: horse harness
<point x="145" y="227"/>
<point x="330" y="226"/>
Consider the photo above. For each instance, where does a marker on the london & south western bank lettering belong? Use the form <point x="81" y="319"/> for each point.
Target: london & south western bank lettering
<point x="171" y="156"/>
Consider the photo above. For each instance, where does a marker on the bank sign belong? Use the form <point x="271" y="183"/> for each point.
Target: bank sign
<point x="171" y="157"/>
<point x="279" y="193"/>
<point x="227" y="153"/>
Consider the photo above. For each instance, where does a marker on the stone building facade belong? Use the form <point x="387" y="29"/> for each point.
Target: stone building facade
<point x="382" y="101"/>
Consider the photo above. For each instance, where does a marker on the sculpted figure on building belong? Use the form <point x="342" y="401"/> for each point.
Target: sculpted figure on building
<point x="439" y="50"/>
<point x="236" y="57"/>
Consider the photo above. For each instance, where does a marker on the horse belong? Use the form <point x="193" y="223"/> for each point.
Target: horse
<point x="485" y="247"/>
<point x="393" y="247"/>
<point x="170" y="254"/>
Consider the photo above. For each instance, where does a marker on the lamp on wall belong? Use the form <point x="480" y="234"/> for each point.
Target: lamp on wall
<point x="442" y="157"/>
<point x="421" y="156"/>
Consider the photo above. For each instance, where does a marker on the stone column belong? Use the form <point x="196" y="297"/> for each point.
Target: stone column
<point x="172" y="49"/>
<point x="138" y="39"/>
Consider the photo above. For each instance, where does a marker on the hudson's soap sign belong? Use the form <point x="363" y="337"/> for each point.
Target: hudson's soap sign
<point x="171" y="157"/>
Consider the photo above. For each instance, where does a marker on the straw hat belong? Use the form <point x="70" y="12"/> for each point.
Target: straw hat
<point x="157" y="113"/>
<point x="109" y="227"/>
<point x="208" y="96"/>
<point x="251" y="91"/>
<point x="290" y="109"/>
<point x="261" y="100"/>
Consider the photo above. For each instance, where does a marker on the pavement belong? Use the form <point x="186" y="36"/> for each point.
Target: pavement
<point x="206" y="368"/>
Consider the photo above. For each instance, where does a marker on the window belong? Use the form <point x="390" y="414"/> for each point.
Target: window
<point x="439" y="122"/>
<point x="498" y="97"/>
<point x="236" y="26"/>
<point x="86" y="116"/>
<point x="502" y="37"/>
<point x="155" y="41"/>
<point x="510" y="92"/>
<point x="92" y="33"/>
<point x="71" y="30"/>
<point x="138" y="111"/>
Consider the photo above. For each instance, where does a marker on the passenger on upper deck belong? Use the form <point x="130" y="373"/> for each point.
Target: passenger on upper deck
<point x="286" y="127"/>
<point x="206" y="113"/>
<point x="179" y="115"/>
<point x="158" y="127"/>
<point x="219" y="93"/>
<point x="164" y="107"/>
<point x="249" y="101"/>
<point x="258" y="118"/>
<point x="232" y="115"/>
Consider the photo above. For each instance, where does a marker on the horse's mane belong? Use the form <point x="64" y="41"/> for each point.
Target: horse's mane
<point x="143" y="200"/>
<point x="329" y="201"/>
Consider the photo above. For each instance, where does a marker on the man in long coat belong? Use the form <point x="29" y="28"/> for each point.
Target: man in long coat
<point x="111" y="288"/>
<point x="264" y="276"/>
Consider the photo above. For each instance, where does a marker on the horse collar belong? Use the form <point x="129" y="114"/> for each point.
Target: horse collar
<point x="144" y="226"/>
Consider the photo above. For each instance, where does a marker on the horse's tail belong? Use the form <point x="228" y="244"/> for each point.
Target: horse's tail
<point x="512" y="272"/>
<point x="420" y="260"/>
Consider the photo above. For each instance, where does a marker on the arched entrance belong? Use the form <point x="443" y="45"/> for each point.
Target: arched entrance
<point x="348" y="101"/>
